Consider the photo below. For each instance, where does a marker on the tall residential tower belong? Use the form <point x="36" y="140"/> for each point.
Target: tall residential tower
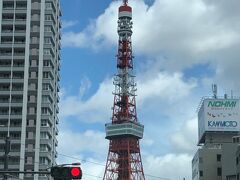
<point x="29" y="83"/>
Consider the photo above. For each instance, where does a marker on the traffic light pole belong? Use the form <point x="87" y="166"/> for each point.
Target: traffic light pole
<point x="58" y="172"/>
<point x="7" y="150"/>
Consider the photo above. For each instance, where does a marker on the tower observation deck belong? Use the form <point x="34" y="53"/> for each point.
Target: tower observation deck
<point x="124" y="132"/>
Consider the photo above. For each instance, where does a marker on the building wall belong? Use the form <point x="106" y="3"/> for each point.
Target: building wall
<point x="229" y="160"/>
<point x="216" y="159"/>
<point x="29" y="82"/>
<point x="238" y="163"/>
<point x="207" y="164"/>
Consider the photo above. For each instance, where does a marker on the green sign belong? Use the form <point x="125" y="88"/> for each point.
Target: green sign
<point x="222" y="103"/>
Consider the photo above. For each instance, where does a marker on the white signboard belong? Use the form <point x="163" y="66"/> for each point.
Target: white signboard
<point x="219" y="115"/>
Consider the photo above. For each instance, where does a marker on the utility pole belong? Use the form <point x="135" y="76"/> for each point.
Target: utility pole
<point x="7" y="150"/>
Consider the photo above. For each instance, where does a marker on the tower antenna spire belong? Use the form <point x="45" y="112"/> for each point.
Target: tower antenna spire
<point x="124" y="132"/>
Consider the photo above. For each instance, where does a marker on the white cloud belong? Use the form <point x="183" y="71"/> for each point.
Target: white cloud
<point x="73" y="39"/>
<point x="169" y="166"/>
<point x="76" y="143"/>
<point x="94" y="109"/>
<point x="88" y="147"/>
<point x="185" y="139"/>
<point x="163" y="87"/>
<point x="177" y="34"/>
<point x="68" y="24"/>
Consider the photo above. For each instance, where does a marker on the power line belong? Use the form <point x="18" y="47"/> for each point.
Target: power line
<point x="96" y="163"/>
<point x="83" y="160"/>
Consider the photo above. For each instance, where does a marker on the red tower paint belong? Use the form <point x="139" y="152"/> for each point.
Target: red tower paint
<point x="124" y="158"/>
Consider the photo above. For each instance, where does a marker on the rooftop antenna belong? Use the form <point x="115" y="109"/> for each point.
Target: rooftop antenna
<point x="214" y="90"/>
<point x="225" y="96"/>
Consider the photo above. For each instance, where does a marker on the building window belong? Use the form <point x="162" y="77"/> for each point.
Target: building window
<point x="44" y="123"/>
<point x="46" y="63"/>
<point x="48" y="6"/>
<point x="47" y="40"/>
<point x="219" y="171"/>
<point x="47" y="52"/>
<point x="219" y="157"/>
<point x="45" y="110"/>
<point x="201" y="173"/>
<point x="44" y="135"/>
<point x="237" y="161"/>
<point x="45" y="75"/>
<point x="48" y="29"/>
<point x="46" y="87"/>
<point x="48" y="17"/>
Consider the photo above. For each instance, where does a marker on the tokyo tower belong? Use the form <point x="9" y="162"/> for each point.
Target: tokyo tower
<point x="124" y="132"/>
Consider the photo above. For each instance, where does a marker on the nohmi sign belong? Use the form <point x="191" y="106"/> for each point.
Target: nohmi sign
<point x="219" y="115"/>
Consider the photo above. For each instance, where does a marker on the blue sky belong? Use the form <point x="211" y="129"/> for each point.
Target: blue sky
<point x="181" y="47"/>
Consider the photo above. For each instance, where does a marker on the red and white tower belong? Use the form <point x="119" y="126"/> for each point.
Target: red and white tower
<point x="124" y="158"/>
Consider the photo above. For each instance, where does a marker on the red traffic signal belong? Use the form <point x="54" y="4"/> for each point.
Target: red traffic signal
<point x="75" y="171"/>
<point x="59" y="172"/>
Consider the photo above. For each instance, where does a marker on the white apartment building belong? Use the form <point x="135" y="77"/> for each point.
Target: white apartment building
<point x="29" y="83"/>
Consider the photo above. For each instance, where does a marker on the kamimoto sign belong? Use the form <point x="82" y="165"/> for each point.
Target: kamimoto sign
<point x="221" y="115"/>
<point x="223" y="124"/>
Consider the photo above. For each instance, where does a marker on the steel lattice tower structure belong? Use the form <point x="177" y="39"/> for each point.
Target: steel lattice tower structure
<point x="124" y="158"/>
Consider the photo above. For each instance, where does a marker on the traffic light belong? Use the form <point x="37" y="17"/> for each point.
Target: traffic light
<point x="66" y="173"/>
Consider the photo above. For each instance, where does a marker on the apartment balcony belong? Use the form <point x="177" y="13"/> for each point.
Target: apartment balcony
<point x="35" y="20"/>
<point x="13" y="141"/>
<point x="7" y="92"/>
<point x="49" y="106"/>
<point x="46" y="141"/>
<point x="35" y="30"/>
<point x="34" y="52"/>
<point x="12" y="154"/>
<point x="36" y="7"/>
<point x="9" y="10"/>
<point x="47" y="117"/>
<point x="48" y="81"/>
<point x="56" y="142"/>
<point x="34" y="43"/>
<point x="58" y="87"/>
<point x="56" y="131"/>
<point x="22" y="10"/>
<point x="8" y="68"/>
<point x="57" y="109"/>
<point x="50" y="23"/>
<point x="50" y="33"/>
<point x="20" y="22"/>
<point x="20" y="33"/>
<point x="57" y="119"/>
<point x="9" y="6"/>
<point x="14" y="80"/>
<point x="19" y="45"/>
<point x="7" y="33"/>
<point x="10" y="166"/>
<point x="58" y="98"/>
<point x="46" y="129"/>
<point x="19" y="55"/>
<point x="7" y="22"/>
<point x="6" y="44"/>
<point x="6" y="104"/>
<point x="5" y="129"/>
